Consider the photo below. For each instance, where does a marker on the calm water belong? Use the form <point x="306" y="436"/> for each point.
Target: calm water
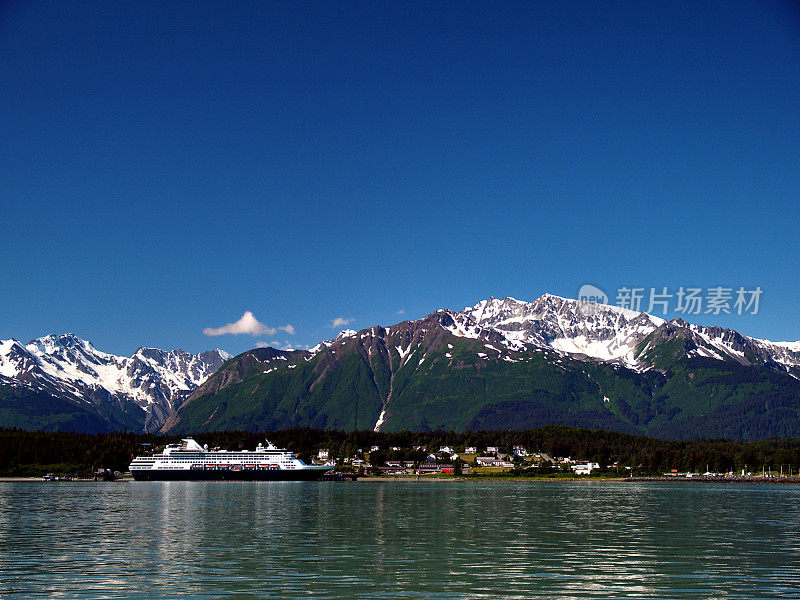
<point x="399" y="540"/>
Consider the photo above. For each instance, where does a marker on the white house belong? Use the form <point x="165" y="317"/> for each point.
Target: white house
<point x="584" y="468"/>
<point x="470" y="450"/>
<point x="323" y="454"/>
<point x="492" y="449"/>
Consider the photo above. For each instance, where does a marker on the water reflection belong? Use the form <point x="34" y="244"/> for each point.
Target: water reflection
<point x="392" y="540"/>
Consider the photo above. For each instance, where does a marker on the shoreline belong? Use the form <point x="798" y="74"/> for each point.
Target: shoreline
<point x="490" y="479"/>
<point x="654" y="479"/>
<point x="468" y="479"/>
<point x="40" y="480"/>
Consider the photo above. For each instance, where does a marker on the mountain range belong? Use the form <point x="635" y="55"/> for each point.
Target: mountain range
<point x="501" y="364"/>
<point x="508" y="364"/>
<point x="62" y="382"/>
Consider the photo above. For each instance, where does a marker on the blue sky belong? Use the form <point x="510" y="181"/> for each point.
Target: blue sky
<point x="165" y="167"/>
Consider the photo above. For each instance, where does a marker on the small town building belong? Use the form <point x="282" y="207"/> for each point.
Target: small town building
<point x="584" y="468"/>
<point x="429" y="468"/>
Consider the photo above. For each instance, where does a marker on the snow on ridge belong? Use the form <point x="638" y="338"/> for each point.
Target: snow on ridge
<point x="522" y="311"/>
<point x="788" y="346"/>
<point x="784" y="353"/>
<point x="148" y="376"/>
<point x="604" y="332"/>
<point x="343" y="334"/>
<point x="594" y="308"/>
<point x="627" y="312"/>
<point x="793" y="346"/>
<point x="459" y="329"/>
<point x="716" y="342"/>
<point x="6" y="345"/>
<point x="9" y="367"/>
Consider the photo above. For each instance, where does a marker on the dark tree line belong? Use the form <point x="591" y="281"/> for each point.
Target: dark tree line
<point x="24" y="453"/>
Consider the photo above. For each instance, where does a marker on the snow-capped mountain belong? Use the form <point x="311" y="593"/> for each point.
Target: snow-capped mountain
<point x="508" y="364"/>
<point x="502" y="363"/>
<point x="607" y="333"/>
<point x="614" y="334"/>
<point x="68" y="367"/>
<point x="593" y="331"/>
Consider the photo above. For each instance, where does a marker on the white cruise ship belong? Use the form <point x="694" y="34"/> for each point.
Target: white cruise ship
<point x="190" y="461"/>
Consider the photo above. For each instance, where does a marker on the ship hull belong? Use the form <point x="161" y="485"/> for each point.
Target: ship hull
<point x="229" y="475"/>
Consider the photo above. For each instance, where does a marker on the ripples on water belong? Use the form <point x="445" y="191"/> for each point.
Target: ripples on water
<point x="398" y="540"/>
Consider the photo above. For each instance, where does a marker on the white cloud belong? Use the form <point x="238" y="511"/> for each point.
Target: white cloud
<point x="262" y="344"/>
<point x="401" y="312"/>
<point x="288" y="329"/>
<point x="341" y="322"/>
<point x="247" y="324"/>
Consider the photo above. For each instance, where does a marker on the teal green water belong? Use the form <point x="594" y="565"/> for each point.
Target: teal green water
<point x="399" y="540"/>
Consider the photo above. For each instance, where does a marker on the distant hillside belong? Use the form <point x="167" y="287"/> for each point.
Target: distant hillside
<point x="506" y="364"/>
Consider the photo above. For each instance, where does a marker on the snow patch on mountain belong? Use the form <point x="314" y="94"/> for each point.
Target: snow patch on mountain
<point x="342" y="335"/>
<point x="403" y="353"/>
<point x="607" y="333"/>
<point x="463" y="328"/>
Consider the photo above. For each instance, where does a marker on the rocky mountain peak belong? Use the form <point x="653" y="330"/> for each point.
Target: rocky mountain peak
<point x="152" y="381"/>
